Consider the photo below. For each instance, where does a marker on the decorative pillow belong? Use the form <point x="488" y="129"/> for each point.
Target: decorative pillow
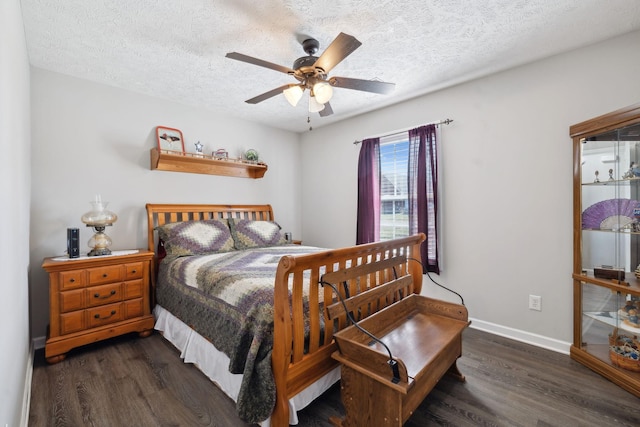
<point x="249" y="233"/>
<point x="196" y="237"/>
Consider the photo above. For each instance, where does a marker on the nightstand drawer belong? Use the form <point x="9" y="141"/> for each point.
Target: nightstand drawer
<point x="107" y="274"/>
<point x="72" y="322"/>
<point x="133" y="308"/>
<point x="71" y="300"/>
<point x="71" y="279"/>
<point x="133" y="271"/>
<point x="104" y="314"/>
<point x="105" y="294"/>
<point x="132" y="289"/>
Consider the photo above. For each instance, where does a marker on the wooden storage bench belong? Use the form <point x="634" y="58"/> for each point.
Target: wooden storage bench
<point x="424" y="336"/>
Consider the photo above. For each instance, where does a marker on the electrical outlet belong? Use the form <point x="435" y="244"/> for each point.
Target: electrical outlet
<point x="535" y="302"/>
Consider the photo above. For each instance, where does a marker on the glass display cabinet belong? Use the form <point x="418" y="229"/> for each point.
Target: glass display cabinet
<point x="606" y="258"/>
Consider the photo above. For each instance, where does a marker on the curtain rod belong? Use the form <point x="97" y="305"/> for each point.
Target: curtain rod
<point x="439" y="122"/>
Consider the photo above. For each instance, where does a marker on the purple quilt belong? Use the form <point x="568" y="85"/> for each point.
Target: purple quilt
<point x="228" y="299"/>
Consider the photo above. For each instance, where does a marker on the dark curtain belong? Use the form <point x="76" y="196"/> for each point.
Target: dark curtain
<point x="368" y="226"/>
<point x="423" y="193"/>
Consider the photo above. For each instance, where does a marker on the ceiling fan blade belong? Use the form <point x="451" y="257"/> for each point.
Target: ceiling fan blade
<point x="268" y="95"/>
<point x="326" y="111"/>
<point x="364" y="85"/>
<point x="255" y="61"/>
<point x="341" y="47"/>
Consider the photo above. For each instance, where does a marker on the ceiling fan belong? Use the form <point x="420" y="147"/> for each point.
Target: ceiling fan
<point x="312" y="74"/>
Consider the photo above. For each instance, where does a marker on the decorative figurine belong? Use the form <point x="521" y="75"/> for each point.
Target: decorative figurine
<point x="199" y="148"/>
<point x="623" y="313"/>
<point x="597" y="179"/>
<point x="632" y="320"/>
<point x="610" y="174"/>
<point x="634" y="171"/>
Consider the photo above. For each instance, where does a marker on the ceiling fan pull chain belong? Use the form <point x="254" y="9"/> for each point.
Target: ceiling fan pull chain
<point x="309" y="121"/>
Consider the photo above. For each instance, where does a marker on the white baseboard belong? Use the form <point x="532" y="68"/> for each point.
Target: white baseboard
<point x="522" y="336"/>
<point x="26" y="398"/>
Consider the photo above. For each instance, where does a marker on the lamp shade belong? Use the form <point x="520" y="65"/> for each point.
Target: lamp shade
<point x="293" y="94"/>
<point x="314" y="105"/>
<point x="323" y="92"/>
<point x="99" y="215"/>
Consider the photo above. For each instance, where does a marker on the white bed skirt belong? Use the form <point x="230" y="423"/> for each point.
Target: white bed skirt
<point x="197" y="350"/>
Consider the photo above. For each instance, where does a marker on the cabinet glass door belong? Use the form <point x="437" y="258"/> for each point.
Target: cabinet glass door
<point x="610" y="198"/>
<point x="601" y="322"/>
<point x="606" y="226"/>
<point x="611" y="202"/>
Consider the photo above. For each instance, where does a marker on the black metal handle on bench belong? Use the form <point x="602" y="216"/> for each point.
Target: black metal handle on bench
<point x="97" y="316"/>
<point x="97" y="295"/>
<point x="393" y="364"/>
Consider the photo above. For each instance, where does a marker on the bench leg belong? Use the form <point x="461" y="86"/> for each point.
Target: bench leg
<point x="455" y="372"/>
<point x="367" y="402"/>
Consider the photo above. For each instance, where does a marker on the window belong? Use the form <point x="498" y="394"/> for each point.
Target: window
<point x="394" y="198"/>
<point x="397" y="190"/>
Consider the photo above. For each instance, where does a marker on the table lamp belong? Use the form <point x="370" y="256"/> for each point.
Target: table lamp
<point x="99" y="218"/>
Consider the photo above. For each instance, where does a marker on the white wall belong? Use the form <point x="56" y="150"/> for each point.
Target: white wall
<point x="507" y="180"/>
<point x="15" y="172"/>
<point x="93" y="139"/>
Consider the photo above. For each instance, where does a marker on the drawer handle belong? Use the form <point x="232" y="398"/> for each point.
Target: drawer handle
<point x="97" y="295"/>
<point x="134" y="271"/>
<point x="97" y="316"/>
<point x="105" y="275"/>
<point x="72" y="280"/>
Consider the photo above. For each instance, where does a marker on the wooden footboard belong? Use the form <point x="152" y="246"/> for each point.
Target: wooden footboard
<point x="297" y="361"/>
<point x="302" y="352"/>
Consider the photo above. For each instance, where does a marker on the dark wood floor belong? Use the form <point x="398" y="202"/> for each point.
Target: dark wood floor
<point x="129" y="381"/>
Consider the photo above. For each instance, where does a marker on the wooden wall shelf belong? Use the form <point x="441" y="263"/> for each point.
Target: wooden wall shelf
<point x="192" y="163"/>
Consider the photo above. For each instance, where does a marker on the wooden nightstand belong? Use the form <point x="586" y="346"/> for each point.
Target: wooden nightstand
<point x="95" y="298"/>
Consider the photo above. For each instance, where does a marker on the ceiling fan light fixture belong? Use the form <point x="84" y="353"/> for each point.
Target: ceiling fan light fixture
<point x="293" y="94"/>
<point x="323" y="92"/>
<point x="312" y="74"/>
<point x="314" y="105"/>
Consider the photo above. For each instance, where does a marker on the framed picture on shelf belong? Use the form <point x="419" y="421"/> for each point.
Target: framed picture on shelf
<point x="170" y="139"/>
<point x="221" y="154"/>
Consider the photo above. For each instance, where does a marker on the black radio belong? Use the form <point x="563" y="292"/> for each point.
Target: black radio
<point x="73" y="240"/>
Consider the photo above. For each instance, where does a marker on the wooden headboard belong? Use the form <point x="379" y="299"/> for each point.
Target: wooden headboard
<point x="163" y="214"/>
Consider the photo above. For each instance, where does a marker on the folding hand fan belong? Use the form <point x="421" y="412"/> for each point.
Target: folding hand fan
<point x="609" y="214"/>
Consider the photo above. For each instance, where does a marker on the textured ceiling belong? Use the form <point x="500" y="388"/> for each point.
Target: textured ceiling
<point x="176" y="49"/>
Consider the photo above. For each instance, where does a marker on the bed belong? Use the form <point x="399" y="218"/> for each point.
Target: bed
<point x="296" y="353"/>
